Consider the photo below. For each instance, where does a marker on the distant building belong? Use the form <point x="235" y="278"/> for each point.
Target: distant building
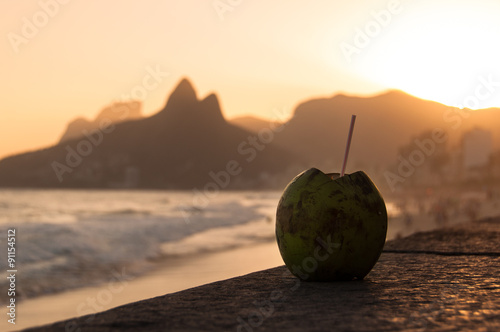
<point x="495" y="165"/>
<point x="132" y="177"/>
<point x="477" y="148"/>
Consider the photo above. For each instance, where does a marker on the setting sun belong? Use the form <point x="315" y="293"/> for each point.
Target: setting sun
<point x="439" y="52"/>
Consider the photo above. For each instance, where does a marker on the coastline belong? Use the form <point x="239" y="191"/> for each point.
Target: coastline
<point x="170" y="275"/>
<point x="202" y="258"/>
<point x="445" y="279"/>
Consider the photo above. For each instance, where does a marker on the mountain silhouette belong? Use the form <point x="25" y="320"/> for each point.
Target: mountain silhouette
<point x="116" y="113"/>
<point x="318" y="129"/>
<point x="188" y="144"/>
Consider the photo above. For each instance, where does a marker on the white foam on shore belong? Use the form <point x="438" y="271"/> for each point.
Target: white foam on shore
<point x="221" y="238"/>
<point x="92" y="232"/>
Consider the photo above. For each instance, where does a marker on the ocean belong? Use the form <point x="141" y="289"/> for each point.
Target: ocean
<point x="73" y="238"/>
<point x="68" y="239"/>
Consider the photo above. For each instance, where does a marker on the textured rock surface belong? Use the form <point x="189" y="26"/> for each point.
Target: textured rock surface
<point x="441" y="280"/>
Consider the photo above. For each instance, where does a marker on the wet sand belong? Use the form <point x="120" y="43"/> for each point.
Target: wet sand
<point x="171" y="275"/>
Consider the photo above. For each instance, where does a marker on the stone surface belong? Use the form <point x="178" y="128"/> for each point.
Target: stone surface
<point x="478" y="237"/>
<point x="440" y="280"/>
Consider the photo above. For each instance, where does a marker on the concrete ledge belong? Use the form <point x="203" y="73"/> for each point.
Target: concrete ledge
<point x="445" y="280"/>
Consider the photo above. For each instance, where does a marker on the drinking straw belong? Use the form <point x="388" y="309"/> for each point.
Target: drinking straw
<point x="348" y="145"/>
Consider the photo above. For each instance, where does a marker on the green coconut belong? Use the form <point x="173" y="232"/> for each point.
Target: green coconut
<point x="330" y="227"/>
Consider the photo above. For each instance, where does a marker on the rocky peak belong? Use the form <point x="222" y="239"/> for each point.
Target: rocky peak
<point x="211" y="109"/>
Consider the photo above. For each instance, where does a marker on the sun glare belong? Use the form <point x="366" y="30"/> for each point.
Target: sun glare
<point x="441" y="54"/>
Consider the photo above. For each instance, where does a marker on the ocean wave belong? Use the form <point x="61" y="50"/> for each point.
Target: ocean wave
<point x="68" y="246"/>
<point x="129" y="212"/>
<point x="221" y="238"/>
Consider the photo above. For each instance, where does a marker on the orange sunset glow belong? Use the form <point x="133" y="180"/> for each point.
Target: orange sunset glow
<point x="64" y="59"/>
<point x="244" y="165"/>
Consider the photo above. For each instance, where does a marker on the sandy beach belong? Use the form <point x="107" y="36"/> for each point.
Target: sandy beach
<point x="171" y="275"/>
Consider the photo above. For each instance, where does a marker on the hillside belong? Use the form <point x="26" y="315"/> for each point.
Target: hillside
<point x="188" y="144"/>
<point x="115" y="113"/>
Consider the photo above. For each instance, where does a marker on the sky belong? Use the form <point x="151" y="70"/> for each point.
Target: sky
<point x="63" y="59"/>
